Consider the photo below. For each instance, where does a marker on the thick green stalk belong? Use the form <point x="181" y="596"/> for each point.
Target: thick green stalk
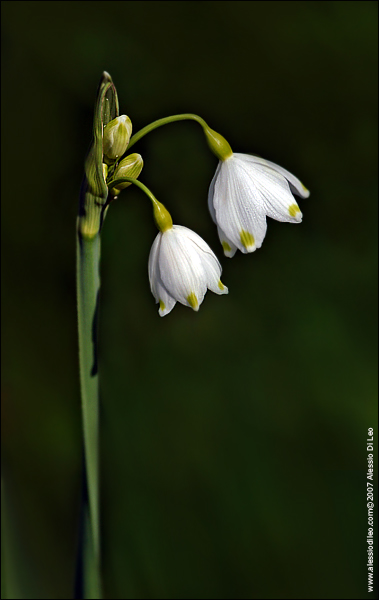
<point x="92" y="209"/>
<point x="88" y="284"/>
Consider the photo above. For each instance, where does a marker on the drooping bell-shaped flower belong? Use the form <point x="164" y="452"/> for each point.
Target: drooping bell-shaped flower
<point x="244" y="191"/>
<point x="181" y="269"/>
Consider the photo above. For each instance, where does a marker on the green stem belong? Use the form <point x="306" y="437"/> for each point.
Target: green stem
<point x="184" y="117"/>
<point x="216" y="142"/>
<point x="162" y="217"/>
<point x="139" y="184"/>
<point x="88" y="284"/>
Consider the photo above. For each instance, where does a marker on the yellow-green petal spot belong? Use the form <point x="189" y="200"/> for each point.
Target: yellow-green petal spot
<point x="162" y="305"/>
<point x="162" y="216"/>
<point x="221" y="285"/>
<point x="293" y="210"/>
<point x="192" y="301"/>
<point x="304" y="188"/>
<point x="218" y="144"/>
<point x="247" y="239"/>
<point x="226" y="247"/>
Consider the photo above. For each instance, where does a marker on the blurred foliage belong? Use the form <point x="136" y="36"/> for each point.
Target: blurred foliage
<point x="233" y="440"/>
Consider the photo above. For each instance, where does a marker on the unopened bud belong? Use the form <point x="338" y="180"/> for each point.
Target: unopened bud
<point x="131" y="166"/>
<point x="116" y="138"/>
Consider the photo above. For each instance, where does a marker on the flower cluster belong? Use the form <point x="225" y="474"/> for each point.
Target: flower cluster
<point x="244" y="191"/>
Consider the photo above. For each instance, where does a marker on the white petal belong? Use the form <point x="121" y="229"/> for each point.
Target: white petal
<point x="166" y="301"/>
<point x="201" y="247"/>
<point x="211" y="194"/>
<point x="161" y="295"/>
<point x="239" y="205"/>
<point x="229" y="248"/>
<point x="274" y="188"/>
<point x="295" y="184"/>
<point x="181" y="269"/>
<point x="210" y="263"/>
<point x="153" y="265"/>
<point x="213" y="277"/>
<point x="200" y="244"/>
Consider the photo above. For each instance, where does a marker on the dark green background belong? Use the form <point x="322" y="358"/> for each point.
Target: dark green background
<point x="233" y="439"/>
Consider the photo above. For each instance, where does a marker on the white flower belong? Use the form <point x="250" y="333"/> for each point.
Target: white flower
<point x="244" y="191"/>
<point x="181" y="269"/>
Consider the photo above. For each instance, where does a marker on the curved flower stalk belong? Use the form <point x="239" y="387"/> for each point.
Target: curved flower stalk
<point x="244" y="191"/>
<point x="92" y="206"/>
<point x="181" y="269"/>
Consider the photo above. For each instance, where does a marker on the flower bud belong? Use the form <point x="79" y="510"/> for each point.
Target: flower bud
<point x="131" y="166"/>
<point x="116" y="138"/>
